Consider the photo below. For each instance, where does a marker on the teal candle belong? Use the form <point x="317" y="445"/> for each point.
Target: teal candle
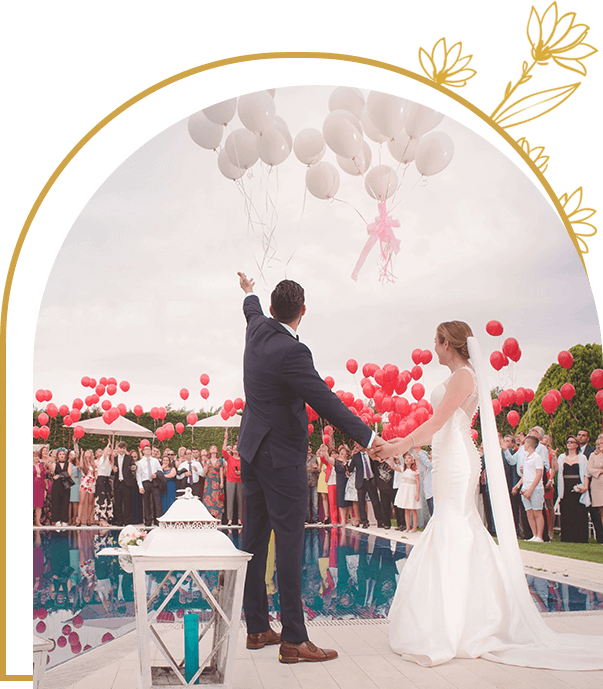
<point x="191" y="645"/>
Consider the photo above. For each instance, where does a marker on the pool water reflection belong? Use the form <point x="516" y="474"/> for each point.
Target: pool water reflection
<point x="81" y="601"/>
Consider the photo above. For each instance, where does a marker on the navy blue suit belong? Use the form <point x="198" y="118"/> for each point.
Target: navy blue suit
<point x="279" y="378"/>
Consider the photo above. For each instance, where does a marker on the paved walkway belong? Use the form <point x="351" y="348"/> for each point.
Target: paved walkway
<point x="365" y="659"/>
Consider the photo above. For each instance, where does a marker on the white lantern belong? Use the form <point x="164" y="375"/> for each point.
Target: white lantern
<point x="188" y="542"/>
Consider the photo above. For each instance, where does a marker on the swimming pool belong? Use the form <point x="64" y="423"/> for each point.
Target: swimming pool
<point x="81" y="601"/>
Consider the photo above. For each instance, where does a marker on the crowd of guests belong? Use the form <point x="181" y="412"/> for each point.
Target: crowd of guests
<point x="341" y="481"/>
<point x="115" y="486"/>
<point x="545" y="489"/>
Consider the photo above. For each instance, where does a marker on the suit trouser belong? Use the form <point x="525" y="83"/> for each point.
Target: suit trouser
<point x="368" y="486"/>
<point x="122" y="502"/>
<point x="151" y="502"/>
<point x="275" y="499"/>
<point x="386" y="495"/>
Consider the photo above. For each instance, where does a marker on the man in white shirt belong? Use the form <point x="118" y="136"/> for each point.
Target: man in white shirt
<point x="532" y="488"/>
<point x="189" y="473"/>
<point x="146" y="471"/>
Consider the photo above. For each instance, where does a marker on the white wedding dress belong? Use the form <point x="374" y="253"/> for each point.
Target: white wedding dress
<point x="460" y="595"/>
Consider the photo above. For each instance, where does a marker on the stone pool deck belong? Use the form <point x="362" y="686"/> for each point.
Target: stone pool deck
<point x="365" y="659"/>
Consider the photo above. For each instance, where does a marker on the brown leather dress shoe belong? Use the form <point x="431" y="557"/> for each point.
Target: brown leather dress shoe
<point x="262" y="639"/>
<point x="295" y="653"/>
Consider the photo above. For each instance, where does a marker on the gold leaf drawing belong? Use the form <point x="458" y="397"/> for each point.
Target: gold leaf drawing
<point x="536" y="154"/>
<point x="446" y="67"/>
<point x="578" y="217"/>
<point x="533" y="106"/>
<point x="559" y="39"/>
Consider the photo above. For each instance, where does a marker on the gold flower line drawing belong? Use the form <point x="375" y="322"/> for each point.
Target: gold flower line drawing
<point x="578" y="217"/>
<point x="536" y="154"/>
<point x="446" y="67"/>
<point x="552" y="38"/>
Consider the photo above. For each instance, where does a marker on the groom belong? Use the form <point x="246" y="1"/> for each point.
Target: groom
<point x="279" y="378"/>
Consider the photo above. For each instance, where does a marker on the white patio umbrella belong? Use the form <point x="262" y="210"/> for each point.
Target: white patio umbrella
<point x="121" y="427"/>
<point x="216" y="421"/>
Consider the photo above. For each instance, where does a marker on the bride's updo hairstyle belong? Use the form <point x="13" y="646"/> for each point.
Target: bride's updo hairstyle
<point x="456" y="332"/>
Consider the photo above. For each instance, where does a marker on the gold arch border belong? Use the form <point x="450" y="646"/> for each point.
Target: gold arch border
<point x="535" y="164"/>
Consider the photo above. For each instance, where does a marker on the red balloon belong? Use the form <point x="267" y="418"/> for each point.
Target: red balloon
<point x="154" y="413"/>
<point x="52" y="410"/>
<point x="421" y="415"/>
<point x="557" y="395"/>
<point x="402" y="406"/>
<point x="224" y="414"/>
<point x="41" y="627"/>
<point x="568" y="391"/>
<point x="368" y="390"/>
<point x="106" y="405"/>
<point x="107" y="637"/>
<point x="78" y="621"/>
<point x="347" y="399"/>
<point x="111" y="381"/>
<point x="513" y="418"/>
<point x="376" y="418"/>
<point x="520" y="396"/>
<point x="92" y="382"/>
<point x="515" y="356"/>
<point x="510" y="347"/>
<point x="204" y="379"/>
<point x="326" y="439"/>
<point x="36" y="432"/>
<point x="310" y="429"/>
<point x="312" y="415"/>
<point x="565" y="359"/>
<point x="352" y="365"/>
<point x="89" y="400"/>
<point x="529" y="394"/>
<point x="41" y="395"/>
<point x="599" y="399"/>
<point x="48" y="395"/>
<point x="160" y="433"/>
<point x="416" y="372"/>
<point x="497" y="360"/>
<point x="494" y="328"/>
<point x="204" y="393"/>
<point x="238" y="404"/>
<point x="122" y="409"/>
<point x="100" y="389"/>
<point x="107" y="418"/>
<point x="330" y="382"/>
<point x="137" y="410"/>
<point x="358" y="405"/>
<point x="111" y="389"/>
<point x="180" y="428"/>
<point x="191" y="419"/>
<point x="144" y="443"/>
<point x="162" y="413"/>
<point x="79" y="431"/>
<point x="77" y="403"/>
<point x="169" y="431"/>
<point x="103" y="381"/>
<point x="402" y="383"/>
<point x="124" y="385"/>
<point x="184" y="393"/>
<point x="329" y="430"/>
<point x="416" y="356"/>
<point x="95" y="398"/>
<point x="549" y="403"/>
<point x="42" y="418"/>
<point x="426" y="356"/>
<point x="379" y="376"/>
<point x="67" y="421"/>
<point x="474" y="434"/>
<point x="496" y="406"/>
<point x="228" y="405"/>
<point x="596" y="378"/>
<point x="85" y="381"/>
<point x="417" y="391"/>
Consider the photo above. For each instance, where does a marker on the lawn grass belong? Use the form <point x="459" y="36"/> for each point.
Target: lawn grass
<point x="591" y="551"/>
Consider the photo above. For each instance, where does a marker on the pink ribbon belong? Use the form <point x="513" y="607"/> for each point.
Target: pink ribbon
<point x="380" y="230"/>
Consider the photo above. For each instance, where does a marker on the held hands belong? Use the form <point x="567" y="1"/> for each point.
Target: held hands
<point x="246" y="283"/>
<point x="380" y="449"/>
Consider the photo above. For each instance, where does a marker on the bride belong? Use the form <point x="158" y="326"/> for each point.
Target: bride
<point x="460" y="595"/>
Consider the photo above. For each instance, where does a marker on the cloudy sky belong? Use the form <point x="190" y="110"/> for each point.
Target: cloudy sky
<point x="145" y="286"/>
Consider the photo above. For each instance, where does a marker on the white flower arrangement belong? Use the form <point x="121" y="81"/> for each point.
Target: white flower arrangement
<point x="131" y="535"/>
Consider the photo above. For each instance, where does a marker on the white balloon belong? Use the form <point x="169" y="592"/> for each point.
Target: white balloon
<point x="322" y="180"/>
<point x="350" y="117"/>
<point x="342" y="135"/>
<point x="204" y="132"/>
<point x="309" y="146"/>
<point x="272" y="146"/>
<point x="221" y="113"/>
<point x="369" y="128"/>
<point x="241" y="148"/>
<point x="280" y="124"/>
<point x="434" y="153"/>
<point x="359" y="164"/>
<point x="227" y="168"/>
<point x="387" y="112"/>
<point x="381" y="182"/>
<point x="346" y="98"/>
<point x="257" y="111"/>
<point x="420" y="119"/>
<point x="403" y="148"/>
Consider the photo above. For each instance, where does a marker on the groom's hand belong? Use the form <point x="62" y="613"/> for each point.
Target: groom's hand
<point x="380" y="449"/>
<point x="246" y="283"/>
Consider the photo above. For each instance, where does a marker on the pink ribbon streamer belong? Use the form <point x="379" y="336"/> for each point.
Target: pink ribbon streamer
<point x="380" y="230"/>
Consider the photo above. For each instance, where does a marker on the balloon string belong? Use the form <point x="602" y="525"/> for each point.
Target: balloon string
<point x="405" y="196"/>
<point x="351" y="206"/>
<point x="303" y="210"/>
